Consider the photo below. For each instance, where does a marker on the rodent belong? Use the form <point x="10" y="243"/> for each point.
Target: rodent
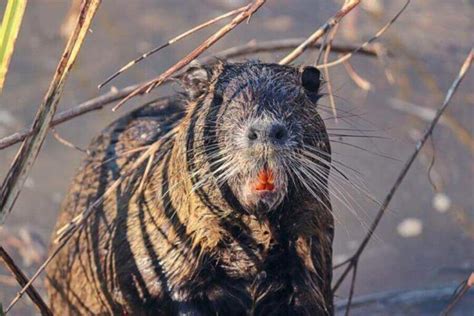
<point x="233" y="217"/>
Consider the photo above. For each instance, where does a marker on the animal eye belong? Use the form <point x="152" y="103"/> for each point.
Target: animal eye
<point x="311" y="79"/>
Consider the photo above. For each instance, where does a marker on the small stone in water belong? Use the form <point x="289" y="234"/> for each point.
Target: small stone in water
<point x="410" y="227"/>
<point x="441" y="202"/>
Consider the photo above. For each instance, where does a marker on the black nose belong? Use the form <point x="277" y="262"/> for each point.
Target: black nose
<point x="275" y="133"/>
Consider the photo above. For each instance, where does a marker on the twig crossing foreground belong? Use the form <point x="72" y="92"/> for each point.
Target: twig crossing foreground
<point x="22" y="280"/>
<point x="346" y="8"/>
<point x="29" y="150"/>
<point x="107" y="98"/>
<point x="150" y="85"/>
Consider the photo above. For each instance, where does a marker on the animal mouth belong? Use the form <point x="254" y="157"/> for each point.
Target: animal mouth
<point x="264" y="191"/>
<point x="265" y="181"/>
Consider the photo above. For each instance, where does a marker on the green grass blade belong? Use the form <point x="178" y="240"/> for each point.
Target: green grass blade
<point x="9" y="30"/>
<point x="26" y="155"/>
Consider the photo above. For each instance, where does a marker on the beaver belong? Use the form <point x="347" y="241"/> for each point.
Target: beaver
<point x="233" y="216"/>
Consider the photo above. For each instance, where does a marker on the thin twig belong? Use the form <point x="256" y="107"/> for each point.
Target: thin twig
<point x="322" y="48"/>
<point x="105" y="99"/>
<point x="351" y="291"/>
<point x="375" y="37"/>
<point x="358" y="80"/>
<point x="460" y="291"/>
<point x="255" y="47"/>
<point x="145" y="174"/>
<point x="382" y="55"/>
<point x="352" y="262"/>
<point x="170" y="42"/>
<point x="81" y="217"/>
<point x="326" y="71"/>
<point x="29" y="150"/>
<point x="346" y="8"/>
<point x="65" y="142"/>
<point x="427" y="114"/>
<point x="150" y="85"/>
<point x="79" y="110"/>
<point x="22" y="280"/>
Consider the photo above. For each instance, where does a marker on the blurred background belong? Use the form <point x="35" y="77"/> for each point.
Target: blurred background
<point x="426" y="239"/>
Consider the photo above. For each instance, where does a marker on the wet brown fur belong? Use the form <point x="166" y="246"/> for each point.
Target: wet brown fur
<point x="169" y="249"/>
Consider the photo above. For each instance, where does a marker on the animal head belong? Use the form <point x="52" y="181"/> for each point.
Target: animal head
<point x="261" y="131"/>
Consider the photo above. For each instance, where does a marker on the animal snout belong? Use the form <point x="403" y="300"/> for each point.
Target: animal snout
<point x="268" y="132"/>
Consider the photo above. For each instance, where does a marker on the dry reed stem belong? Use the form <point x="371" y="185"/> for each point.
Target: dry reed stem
<point x="150" y="85"/>
<point x="170" y="42"/>
<point x="298" y="51"/>
<point x="426" y="114"/>
<point x="30" y="148"/>
<point x="22" y="280"/>
<point x="358" y="80"/>
<point x="65" y="142"/>
<point x="351" y="290"/>
<point x="66" y="232"/>
<point x="332" y="34"/>
<point x="80" y="218"/>
<point x="382" y="55"/>
<point x="352" y="262"/>
<point x="255" y="47"/>
<point x="372" y="39"/>
<point x="145" y="173"/>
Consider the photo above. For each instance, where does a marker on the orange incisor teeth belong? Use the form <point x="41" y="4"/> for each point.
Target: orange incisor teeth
<point x="265" y="181"/>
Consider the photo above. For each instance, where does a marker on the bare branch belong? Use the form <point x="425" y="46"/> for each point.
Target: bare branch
<point x="170" y="42"/>
<point x="105" y="99"/>
<point x="326" y="70"/>
<point x="65" y="142"/>
<point x="351" y="291"/>
<point x="427" y="114"/>
<point x="351" y="263"/>
<point x="346" y="8"/>
<point x="358" y="80"/>
<point x="150" y="85"/>
<point x="22" y="280"/>
<point x="66" y="232"/>
<point x="255" y="47"/>
<point x="83" y="108"/>
<point x="375" y="37"/>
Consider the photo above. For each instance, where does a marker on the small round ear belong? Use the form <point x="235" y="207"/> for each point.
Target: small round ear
<point x="195" y="80"/>
<point x="311" y="79"/>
